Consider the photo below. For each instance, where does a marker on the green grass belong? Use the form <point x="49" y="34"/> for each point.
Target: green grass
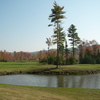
<point x="13" y="92"/>
<point x="27" y="66"/>
<point x="23" y="66"/>
<point x="82" y="67"/>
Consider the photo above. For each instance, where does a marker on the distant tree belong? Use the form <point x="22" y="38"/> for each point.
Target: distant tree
<point x="40" y="54"/>
<point x="73" y="37"/>
<point x="48" y="42"/>
<point x="81" y="51"/>
<point x="98" y="57"/>
<point x="94" y="46"/>
<point x="88" y="58"/>
<point x="5" y="56"/>
<point x="89" y="52"/>
<point x="55" y="17"/>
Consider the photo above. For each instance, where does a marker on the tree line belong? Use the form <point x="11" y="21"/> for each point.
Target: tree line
<point x="82" y="51"/>
<point x="89" y="52"/>
<point x="15" y="56"/>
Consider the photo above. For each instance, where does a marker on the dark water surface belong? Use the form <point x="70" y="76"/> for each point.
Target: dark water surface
<point x="79" y="81"/>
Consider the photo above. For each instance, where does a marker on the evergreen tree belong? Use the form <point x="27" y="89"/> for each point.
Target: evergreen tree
<point x="88" y="58"/>
<point x="73" y="37"/>
<point x="98" y="57"/>
<point x="61" y="36"/>
<point x="55" y="17"/>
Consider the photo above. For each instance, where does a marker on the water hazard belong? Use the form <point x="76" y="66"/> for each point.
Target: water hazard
<point x="79" y="81"/>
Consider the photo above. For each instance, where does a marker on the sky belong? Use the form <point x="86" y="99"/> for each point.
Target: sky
<point x="24" y="23"/>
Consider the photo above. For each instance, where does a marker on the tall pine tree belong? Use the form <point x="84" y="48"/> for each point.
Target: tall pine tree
<point x="55" y="17"/>
<point x="73" y="37"/>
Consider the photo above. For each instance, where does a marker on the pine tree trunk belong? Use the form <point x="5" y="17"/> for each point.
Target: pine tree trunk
<point x="57" y="46"/>
<point x="73" y="47"/>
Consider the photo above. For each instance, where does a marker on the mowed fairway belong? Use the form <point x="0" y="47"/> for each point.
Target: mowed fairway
<point x="11" y="92"/>
<point x="29" y="66"/>
<point x="19" y="66"/>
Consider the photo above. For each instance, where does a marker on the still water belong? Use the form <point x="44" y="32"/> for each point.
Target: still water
<point x="79" y="81"/>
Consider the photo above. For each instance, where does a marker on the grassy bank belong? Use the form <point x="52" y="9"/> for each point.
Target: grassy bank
<point x="37" y="68"/>
<point x="11" y="92"/>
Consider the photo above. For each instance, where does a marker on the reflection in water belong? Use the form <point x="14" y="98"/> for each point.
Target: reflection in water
<point x="82" y="81"/>
<point x="79" y="81"/>
<point x="60" y="81"/>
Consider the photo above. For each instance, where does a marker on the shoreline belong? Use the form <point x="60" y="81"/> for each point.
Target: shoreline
<point x="51" y="72"/>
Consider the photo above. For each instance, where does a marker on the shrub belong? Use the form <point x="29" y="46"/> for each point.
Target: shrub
<point x="43" y="61"/>
<point x="72" y="60"/>
<point x="50" y="60"/>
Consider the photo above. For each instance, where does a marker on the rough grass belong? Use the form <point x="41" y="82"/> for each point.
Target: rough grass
<point x="12" y="92"/>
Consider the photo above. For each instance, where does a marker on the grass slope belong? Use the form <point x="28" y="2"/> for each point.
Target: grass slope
<point x="11" y="92"/>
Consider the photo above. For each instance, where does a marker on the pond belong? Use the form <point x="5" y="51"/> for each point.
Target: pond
<point x="78" y="81"/>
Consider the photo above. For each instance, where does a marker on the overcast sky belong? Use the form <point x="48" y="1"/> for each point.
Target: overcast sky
<point x="24" y="23"/>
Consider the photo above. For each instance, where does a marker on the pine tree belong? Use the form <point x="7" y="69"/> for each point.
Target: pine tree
<point x="61" y="39"/>
<point x="98" y="57"/>
<point x="88" y="58"/>
<point x="55" y="17"/>
<point x="73" y="37"/>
